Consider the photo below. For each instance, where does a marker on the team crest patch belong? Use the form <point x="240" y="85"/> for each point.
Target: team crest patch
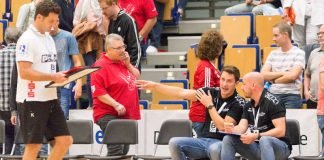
<point x="22" y="49"/>
<point x="93" y="88"/>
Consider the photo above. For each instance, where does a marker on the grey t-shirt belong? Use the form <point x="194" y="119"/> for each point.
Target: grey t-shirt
<point x="312" y="70"/>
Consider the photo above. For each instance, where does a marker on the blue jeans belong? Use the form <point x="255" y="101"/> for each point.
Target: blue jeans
<point x="268" y="148"/>
<point x="158" y="27"/>
<point x="198" y="126"/>
<point x="196" y="148"/>
<point x="245" y="8"/>
<point x="65" y="100"/>
<point x="290" y="100"/>
<point x="89" y="60"/>
<point x="320" y="120"/>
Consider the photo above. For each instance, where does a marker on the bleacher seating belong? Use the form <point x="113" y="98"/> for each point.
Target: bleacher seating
<point x="2" y="7"/>
<point x="244" y="57"/>
<point x="170" y="105"/>
<point x="157" y="97"/>
<point x="192" y="62"/>
<point x="263" y="29"/>
<point x="266" y="51"/>
<point x="171" y="16"/>
<point x="144" y="104"/>
<point x="165" y="58"/>
<point x="3" y="26"/>
<point x="237" y="29"/>
<point x="15" y="5"/>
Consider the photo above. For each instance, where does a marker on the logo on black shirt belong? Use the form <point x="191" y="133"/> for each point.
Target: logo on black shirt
<point x="271" y="98"/>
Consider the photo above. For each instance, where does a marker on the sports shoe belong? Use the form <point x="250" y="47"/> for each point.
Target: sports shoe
<point x="151" y="50"/>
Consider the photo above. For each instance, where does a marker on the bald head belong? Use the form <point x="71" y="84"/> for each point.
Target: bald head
<point x="254" y="77"/>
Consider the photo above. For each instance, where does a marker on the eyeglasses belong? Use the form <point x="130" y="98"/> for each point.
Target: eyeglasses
<point x="320" y="33"/>
<point x="120" y="48"/>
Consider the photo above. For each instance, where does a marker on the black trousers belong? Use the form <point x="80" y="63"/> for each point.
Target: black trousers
<point x="10" y="130"/>
<point x="113" y="150"/>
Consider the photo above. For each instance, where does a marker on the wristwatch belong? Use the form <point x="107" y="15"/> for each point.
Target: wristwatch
<point x="210" y="106"/>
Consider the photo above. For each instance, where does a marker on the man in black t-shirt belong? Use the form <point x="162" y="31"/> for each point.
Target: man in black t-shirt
<point x="222" y="104"/>
<point x="262" y="127"/>
<point x="124" y="25"/>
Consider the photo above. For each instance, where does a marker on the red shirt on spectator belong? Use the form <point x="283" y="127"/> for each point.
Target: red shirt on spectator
<point x="206" y="75"/>
<point x="140" y="10"/>
<point x="116" y="80"/>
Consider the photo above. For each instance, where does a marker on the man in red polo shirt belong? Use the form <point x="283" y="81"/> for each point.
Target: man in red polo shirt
<point x="114" y="93"/>
<point x="145" y="15"/>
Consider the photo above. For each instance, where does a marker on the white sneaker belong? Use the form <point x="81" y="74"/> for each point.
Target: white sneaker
<point x="151" y="50"/>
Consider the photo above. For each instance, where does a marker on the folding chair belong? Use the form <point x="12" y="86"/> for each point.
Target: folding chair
<point x="293" y="133"/>
<point x="82" y="133"/>
<point x="118" y="131"/>
<point x="169" y="129"/>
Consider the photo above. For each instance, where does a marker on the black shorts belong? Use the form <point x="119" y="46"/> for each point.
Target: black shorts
<point x="39" y="119"/>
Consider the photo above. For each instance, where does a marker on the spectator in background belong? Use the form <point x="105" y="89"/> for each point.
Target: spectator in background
<point x="263" y="120"/>
<point x="7" y="60"/>
<point x="66" y="16"/>
<point x="124" y="25"/>
<point x="26" y="14"/>
<point x="155" y="35"/>
<point x="311" y="73"/>
<point x="309" y="17"/>
<point x="89" y="28"/>
<point x="221" y="104"/>
<point x="144" y="13"/>
<point x="320" y="106"/>
<point x="257" y="7"/>
<point x="284" y="67"/>
<point x="114" y="92"/>
<point x="67" y="57"/>
<point x="206" y="74"/>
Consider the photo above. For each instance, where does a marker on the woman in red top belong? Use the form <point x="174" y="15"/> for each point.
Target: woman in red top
<point x="206" y="74"/>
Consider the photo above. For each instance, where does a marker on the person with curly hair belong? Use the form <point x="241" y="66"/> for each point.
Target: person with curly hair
<point x="206" y="74"/>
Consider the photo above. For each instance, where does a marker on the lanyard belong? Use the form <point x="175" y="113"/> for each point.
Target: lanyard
<point x="256" y="118"/>
<point x="222" y="107"/>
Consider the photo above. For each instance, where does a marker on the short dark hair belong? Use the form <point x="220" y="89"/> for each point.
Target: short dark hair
<point x="46" y="7"/>
<point x="232" y="70"/>
<point x="210" y="45"/>
<point x="284" y="27"/>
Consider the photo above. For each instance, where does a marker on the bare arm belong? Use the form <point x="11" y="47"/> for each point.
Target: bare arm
<point x="27" y="72"/>
<point x="241" y="127"/>
<point x="321" y="79"/>
<point x="306" y="85"/>
<point x="77" y="61"/>
<point x="167" y="90"/>
<point x="129" y="66"/>
<point x="290" y="76"/>
<point x="107" y="99"/>
<point x="149" y="24"/>
<point x="268" y="74"/>
<point x="279" y="129"/>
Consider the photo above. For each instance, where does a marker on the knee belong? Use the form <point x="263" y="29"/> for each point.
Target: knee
<point x="228" y="11"/>
<point x="64" y="141"/>
<point x="265" y="141"/>
<point x="215" y="150"/>
<point x="174" y="143"/>
<point x="228" y="139"/>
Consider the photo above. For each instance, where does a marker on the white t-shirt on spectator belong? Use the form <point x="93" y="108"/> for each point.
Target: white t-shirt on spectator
<point x="283" y="62"/>
<point x="39" y="49"/>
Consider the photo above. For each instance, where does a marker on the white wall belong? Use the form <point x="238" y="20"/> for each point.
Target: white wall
<point x="152" y="120"/>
